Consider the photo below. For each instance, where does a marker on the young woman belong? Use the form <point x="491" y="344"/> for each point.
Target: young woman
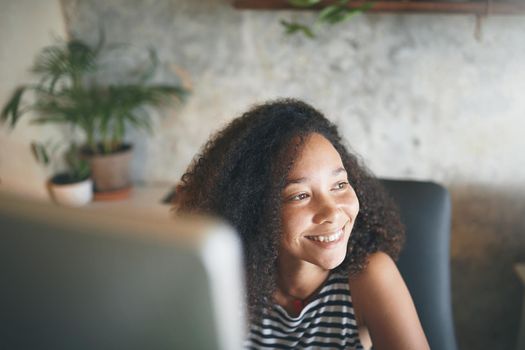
<point x="320" y="235"/>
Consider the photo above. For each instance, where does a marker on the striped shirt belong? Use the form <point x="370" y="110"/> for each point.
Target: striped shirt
<point x="327" y="322"/>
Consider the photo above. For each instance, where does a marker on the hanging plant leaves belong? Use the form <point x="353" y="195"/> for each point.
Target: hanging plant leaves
<point x="303" y="3"/>
<point x="331" y="15"/>
<point x="293" y="27"/>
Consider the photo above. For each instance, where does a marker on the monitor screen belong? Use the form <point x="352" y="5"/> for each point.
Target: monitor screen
<point x="80" y="279"/>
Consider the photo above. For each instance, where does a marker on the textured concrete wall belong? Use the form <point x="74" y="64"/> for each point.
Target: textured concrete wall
<point x="416" y="95"/>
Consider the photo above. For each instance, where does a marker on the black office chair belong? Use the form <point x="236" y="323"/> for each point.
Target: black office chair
<point x="424" y="262"/>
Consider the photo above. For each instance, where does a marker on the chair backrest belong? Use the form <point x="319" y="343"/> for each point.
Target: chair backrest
<point x="424" y="262"/>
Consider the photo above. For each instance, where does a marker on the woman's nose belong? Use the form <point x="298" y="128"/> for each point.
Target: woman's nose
<point x="326" y="211"/>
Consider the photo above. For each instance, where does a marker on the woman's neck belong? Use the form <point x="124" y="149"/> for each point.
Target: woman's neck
<point x="296" y="285"/>
<point x="298" y="288"/>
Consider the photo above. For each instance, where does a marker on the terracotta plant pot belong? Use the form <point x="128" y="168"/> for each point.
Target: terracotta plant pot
<point x="111" y="172"/>
<point x="70" y="194"/>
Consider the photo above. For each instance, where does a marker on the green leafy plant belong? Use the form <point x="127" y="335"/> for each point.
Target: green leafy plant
<point x="77" y="169"/>
<point x="332" y="14"/>
<point x="68" y="93"/>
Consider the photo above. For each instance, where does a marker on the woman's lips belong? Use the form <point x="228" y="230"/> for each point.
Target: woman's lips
<point x="330" y="240"/>
<point x="327" y="238"/>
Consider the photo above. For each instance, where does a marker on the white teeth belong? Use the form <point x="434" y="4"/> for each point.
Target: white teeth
<point x="330" y="238"/>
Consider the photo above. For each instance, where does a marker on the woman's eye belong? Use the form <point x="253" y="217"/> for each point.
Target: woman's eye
<point x="299" y="197"/>
<point x="341" y="185"/>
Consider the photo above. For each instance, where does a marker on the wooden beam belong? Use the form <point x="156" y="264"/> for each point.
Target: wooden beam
<point x="488" y="7"/>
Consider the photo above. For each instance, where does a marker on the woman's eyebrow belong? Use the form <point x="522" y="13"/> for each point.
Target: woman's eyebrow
<point x="295" y="181"/>
<point x="304" y="179"/>
<point x="338" y="171"/>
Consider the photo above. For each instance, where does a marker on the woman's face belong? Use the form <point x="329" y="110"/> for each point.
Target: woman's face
<point x="319" y="208"/>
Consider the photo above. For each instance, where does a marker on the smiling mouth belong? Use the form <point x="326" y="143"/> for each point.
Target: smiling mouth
<point x="327" y="238"/>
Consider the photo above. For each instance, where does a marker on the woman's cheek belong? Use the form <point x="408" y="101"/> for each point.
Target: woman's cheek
<point x="351" y="204"/>
<point x="293" y="220"/>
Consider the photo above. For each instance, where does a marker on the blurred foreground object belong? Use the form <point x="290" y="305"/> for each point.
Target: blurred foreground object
<point x="75" y="279"/>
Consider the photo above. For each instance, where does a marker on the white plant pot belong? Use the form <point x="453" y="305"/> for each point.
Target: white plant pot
<point x="72" y="195"/>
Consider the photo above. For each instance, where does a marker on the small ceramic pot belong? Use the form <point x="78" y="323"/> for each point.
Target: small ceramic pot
<point x="72" y="195"/>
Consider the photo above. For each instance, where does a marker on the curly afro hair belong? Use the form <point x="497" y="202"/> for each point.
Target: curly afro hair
<point x="240" y="174"/>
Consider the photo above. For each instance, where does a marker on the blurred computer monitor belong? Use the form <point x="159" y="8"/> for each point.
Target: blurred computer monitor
<point x="79" y="279"/>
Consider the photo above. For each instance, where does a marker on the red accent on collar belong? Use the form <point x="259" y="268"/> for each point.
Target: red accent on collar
<point x="299" y="305"/>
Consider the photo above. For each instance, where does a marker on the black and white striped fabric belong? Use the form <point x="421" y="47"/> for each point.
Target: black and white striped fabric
<point x="327" y="322"/>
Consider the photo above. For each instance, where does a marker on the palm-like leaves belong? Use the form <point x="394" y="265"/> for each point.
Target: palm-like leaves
<point x="102" y="112"/>
<point x="70" y="61"/>
<point x="12" y="111"/>
<point x="120" y="106"/>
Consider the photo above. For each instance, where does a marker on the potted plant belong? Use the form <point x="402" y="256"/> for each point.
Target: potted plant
<point x="70" y="92"/>
<point x="70" y="187"/>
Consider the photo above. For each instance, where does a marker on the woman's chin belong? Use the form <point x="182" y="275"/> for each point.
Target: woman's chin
<point x="331" y="262"/>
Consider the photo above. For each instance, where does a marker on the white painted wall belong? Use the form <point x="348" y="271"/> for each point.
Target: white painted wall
<point x="25" y="27"/>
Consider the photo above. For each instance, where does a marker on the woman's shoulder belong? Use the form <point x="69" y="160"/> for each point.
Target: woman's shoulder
<point x="380" y="267"/>
<point x="374" y="283"/>
<point x="384" y="306"/>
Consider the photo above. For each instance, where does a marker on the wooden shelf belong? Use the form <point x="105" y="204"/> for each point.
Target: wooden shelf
<point x="488" y="7"/>
<point x="144" y="201"/>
